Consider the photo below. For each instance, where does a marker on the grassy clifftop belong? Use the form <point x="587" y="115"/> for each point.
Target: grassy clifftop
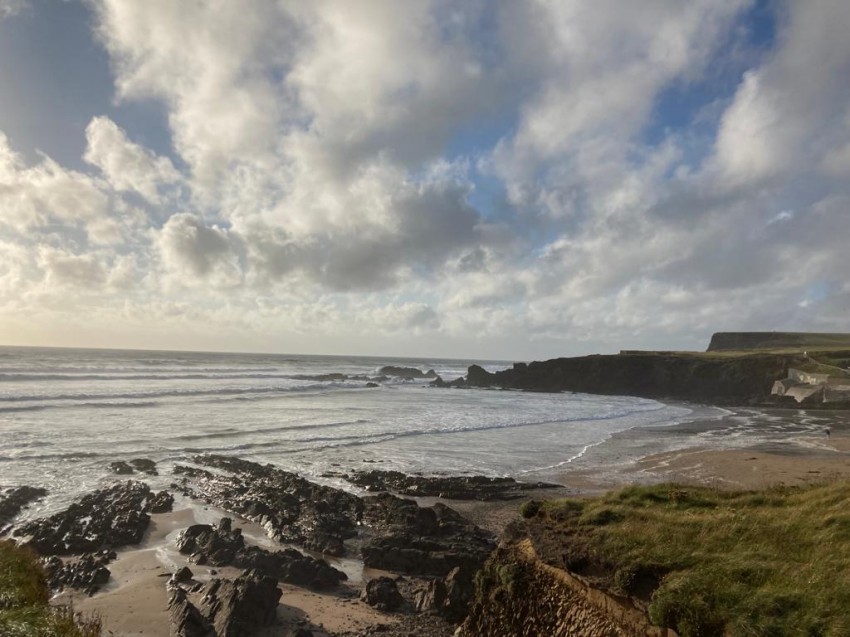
<point x="721" y="341"/>
<point x="24" y="611"/>
<point x="709" y="562"/>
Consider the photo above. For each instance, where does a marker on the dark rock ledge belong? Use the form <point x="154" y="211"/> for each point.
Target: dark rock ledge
<point x="447" y="487"/>
<point x="13" y="501"/>
<point x="89" y="529"/>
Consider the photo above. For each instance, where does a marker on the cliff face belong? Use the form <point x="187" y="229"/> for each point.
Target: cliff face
<point x="517" y="595"/>
<point x="739" y="380"/>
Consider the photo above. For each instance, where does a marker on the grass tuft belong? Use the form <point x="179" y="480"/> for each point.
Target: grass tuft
<point x="24" y="611"/>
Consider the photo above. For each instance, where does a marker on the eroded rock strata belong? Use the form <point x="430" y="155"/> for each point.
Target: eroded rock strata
<point x="224" y="545"/>
<point x="226" y="608"/>
<point x="290" y="508"/>
<point x="108" y="518"/>
<point x="421" y="540"/>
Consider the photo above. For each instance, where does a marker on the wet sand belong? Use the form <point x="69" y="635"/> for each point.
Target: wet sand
<point x="135" y="601"/>
<point x="747" y="449"/>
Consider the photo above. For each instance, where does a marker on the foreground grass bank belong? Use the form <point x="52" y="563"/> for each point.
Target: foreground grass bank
<point x="24" y="611"/>
<point x="712" y="562"/>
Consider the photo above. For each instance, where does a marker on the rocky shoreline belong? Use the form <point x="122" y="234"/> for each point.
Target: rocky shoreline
<point x="428" y="554"/>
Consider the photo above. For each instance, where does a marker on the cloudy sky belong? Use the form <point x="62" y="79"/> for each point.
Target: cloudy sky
<point x="470" y="178"/>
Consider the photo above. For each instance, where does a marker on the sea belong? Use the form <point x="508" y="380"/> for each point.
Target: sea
<point x="66" y="414"/>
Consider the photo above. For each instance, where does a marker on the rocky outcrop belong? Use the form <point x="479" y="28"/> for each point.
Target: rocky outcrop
<point x="745" y="379"/>
<point x="225" y="546"/>
<point x="517" y="595"/>
<point x="407" y="373"/>
<point x="421" y="540"/>
<point x="291" y="509"/>
<point x="107" y="518"/>
<point x="240" y="607"/>
<point x="228" y="607"/>
<point x="161" y="502"/>
<point x="382" y="593"/>
<point x="449" y="487"/>
<point x="88" y="573"/>
<point x="184" y="618"/>
<point x="13" y="501"/>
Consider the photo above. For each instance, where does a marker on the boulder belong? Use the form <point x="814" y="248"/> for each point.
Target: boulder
<point x="382" y="593"/>
<point x="240" y="607"/>
<point x="161" y="502"/>
<point x="120" y="467"/>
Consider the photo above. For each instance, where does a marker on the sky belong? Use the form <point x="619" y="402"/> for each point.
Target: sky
<point x="497" y="179"/>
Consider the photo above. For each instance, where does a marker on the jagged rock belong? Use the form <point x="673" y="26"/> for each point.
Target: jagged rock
<point x="217" y="545"/>
<point x="120" y="467"/>
<point x="183" y="575"/>
<point x="111" y="517"/>
<point x="161" y="502"/>
<point x="303" y="632"/>
<point x="382" y="593"/>
<point x="144" y="465"/>
<point x="88" y="573"/>
<point x="185" y="619"/>
<point x="291" y="509"/>
<point x="439" y="382"/>
<point x="422" y="540"/>
<point x="291" y="567"/>
<point x="410" y="539"/>
<point x="239" y="607"/>
<point x="223" y="546"/>
<point x="13" y="500"/>
<point x="477" y="376"/>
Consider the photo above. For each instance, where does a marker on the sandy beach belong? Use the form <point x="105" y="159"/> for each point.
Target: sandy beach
<point x="136" y="599"/>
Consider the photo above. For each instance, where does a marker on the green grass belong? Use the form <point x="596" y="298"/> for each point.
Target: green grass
<point x="744" y="564"/>
<point x="24" y="611"/>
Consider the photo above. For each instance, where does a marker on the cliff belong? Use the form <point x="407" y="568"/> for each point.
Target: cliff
<point x="717" y="379"/>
